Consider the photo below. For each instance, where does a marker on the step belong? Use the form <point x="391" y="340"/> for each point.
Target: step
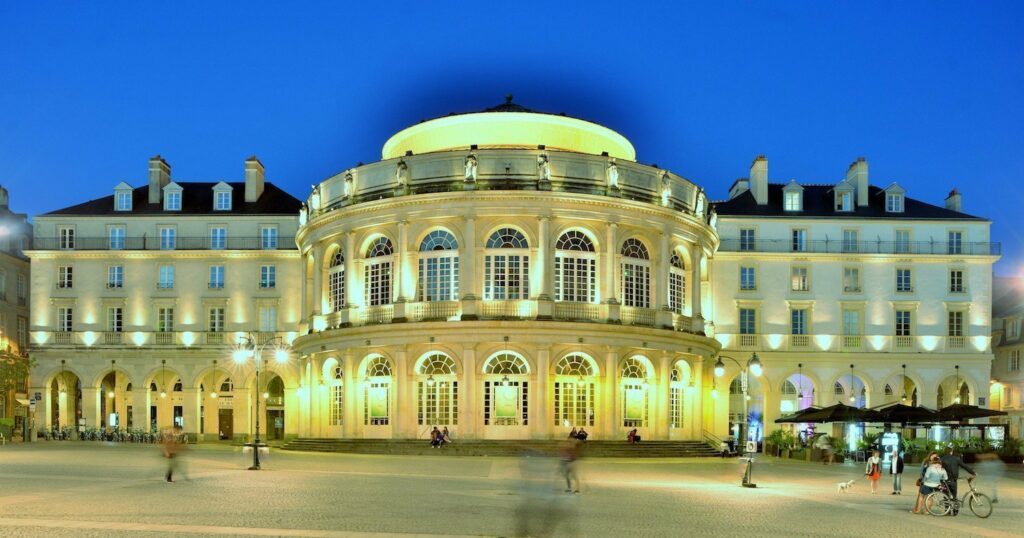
<point x="476" y="447"/>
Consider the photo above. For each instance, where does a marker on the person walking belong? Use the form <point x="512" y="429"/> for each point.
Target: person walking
<point x="570" y="455"/>
<point x="934" y="474"/>
<point x="896" y="470"/>
<point x="873" y="470"/>
<point x="953" y="463"/>
<point x="172" y="451"/>
<point x="825" y="446"/>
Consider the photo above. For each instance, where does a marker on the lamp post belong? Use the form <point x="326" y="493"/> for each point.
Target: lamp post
<point x="247" y="348"/>
<point x="753" y="366"/>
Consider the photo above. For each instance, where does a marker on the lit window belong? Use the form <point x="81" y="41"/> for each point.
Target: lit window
<point x="439" y="267"/>
<point x="507" y="266"/>
<point x="172" y="200"/>
<point x="748" y="279"/>
<point x="123" y="201"/>
<point x="165" y="319"/>
<point x="268" y="276"/>
<point x="894" y="203"/>
<point x="268" y="319"/>
<point x="216" y="322"/>
<point x="792" y="201"/>
<point x="799" y="280"/>
<point x="676" y="284"/>
<point x="636" y="274"/>
<point x="222" y="201"/>
<point x="575" y="268"/>
<point x="851" y="280"/>
<point x="844" y="201"/>
<point x="336" y="281"/>
<point x="377" y="272"/>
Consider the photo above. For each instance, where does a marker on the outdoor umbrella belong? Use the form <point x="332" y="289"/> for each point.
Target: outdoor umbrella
<point x="960" y="412"/>
<point x="905" y="414"/>
<point x="797" y="417"/>
<point x="841" y="412"/>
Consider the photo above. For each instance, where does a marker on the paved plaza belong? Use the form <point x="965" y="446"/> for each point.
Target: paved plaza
<point x="93" y="489"/>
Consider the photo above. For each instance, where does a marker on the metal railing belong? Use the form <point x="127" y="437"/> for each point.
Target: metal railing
<point x="154" y="243"/>
<point x="839" y="246"/>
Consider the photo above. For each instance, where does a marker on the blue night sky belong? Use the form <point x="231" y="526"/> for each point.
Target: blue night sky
<point x="930" y="93"/>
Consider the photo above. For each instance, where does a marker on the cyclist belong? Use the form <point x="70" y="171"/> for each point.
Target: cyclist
<point x="953" y="463"/>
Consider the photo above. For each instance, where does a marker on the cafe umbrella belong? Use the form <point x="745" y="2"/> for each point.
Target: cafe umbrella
<point x="841" y="412"/>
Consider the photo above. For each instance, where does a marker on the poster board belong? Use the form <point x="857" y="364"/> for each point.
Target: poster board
<point x="634" y="404"/>
<point x="378" y="402"/>
<point x="505" y="404"/>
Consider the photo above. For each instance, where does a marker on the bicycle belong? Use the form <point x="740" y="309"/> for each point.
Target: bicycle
<point x="942" y="502"/>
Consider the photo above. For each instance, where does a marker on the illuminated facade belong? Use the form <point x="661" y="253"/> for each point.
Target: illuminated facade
<point x="1006" y="391"/>
<point x="15" y="237"/>
<point x="507" y="274"/>
<point x="819" y="278"/>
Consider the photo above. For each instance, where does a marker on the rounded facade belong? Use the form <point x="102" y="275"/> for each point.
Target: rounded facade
<point x="504" y="291"/>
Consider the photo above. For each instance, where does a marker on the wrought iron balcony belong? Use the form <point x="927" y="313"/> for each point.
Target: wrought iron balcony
<point x="155" y="243"/>
<point x="839" y="246"/>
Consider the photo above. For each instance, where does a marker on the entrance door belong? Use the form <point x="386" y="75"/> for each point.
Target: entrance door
<point x="275" y="424"/>
<point x="226" y="424"/>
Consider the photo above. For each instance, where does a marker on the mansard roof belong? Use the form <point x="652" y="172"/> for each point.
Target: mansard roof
<point x="819" y="202"/>
<point x="196" y="199"/>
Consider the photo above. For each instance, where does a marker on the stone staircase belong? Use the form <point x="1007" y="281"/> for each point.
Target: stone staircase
<point x="477" y="447"/>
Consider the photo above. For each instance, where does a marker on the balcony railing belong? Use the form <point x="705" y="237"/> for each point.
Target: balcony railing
<point x="748" y="340"/>
<point x="113" y="338"/>
<point x="567" y="311"/>
<point x="213" y="338"/>
<point x="799" y="341"/>
<point x="839" y="246"/>
<point x="956" y="342"/>
<point x="903" y="342"/>
<point x="63" y="337"/>
<point x="154" y="243"/>
<point x="852" y="342"/>
<point x="632" y="315"/>
<point x="144" y="338"/>
<point x="432" y="311"/>
<point x="164" y="338"/>
<point x="509" y="309"/>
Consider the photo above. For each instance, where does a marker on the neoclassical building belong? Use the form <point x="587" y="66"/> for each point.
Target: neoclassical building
<point x="508" y="274"/>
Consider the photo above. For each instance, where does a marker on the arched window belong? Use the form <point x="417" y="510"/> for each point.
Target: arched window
<point x="152" y="387"/>
<point x="675" y="396"/>
<point x="635" y="396"/>
<point x="378" y="367"/>
<point x="634" y="368"/>
<point x="336" y="281"/>
<point x="439" y="267"/>
<point x="507" y="266"/>
<point x="336" y="384"/>
<point x="736" y="387"/>
<point x="227" y="386"/>
<point x="676" y="284"/>
<point x="788" y="388"/>
<point x="377" y="392"/>
<point x="377" y="273"/>
<point x="437" y="400"/>
<point x="888" y="390"/>
<point x="128" y="387"/>
<point x="839" y="390"/>
<point x="636" y="274"/>
<point x="177" y="386"/>
<point x="574" y="397"/>
<point x="506" y="401"/>
<point x="575" y="268"/>
<point x="575" y="364"/>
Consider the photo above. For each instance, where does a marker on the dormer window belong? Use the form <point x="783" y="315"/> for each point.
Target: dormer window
<point x="123" y="197"/>
<point x="894" y="199"/>
<point x="222" y="197"/>
<point x="844" y="201"/>
<point x="172" y="197"/>
<point x="793" y="197"/>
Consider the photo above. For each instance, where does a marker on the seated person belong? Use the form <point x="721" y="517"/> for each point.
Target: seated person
<point x="573" y="434"/>
<point x="582" y="434"/>
<point x="435" y="438"/>
<point x="446" y="436"/>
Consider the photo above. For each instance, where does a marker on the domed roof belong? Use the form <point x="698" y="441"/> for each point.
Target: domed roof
<point x="508" y="126"/>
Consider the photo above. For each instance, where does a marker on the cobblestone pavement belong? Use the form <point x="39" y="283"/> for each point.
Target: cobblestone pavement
<point x="90" y="489"/>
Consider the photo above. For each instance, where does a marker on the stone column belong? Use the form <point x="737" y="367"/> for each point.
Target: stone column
<point x="661" y="417"/>
<point x="353" y="295"/>
<point x="242" y="413"/>
<point x="292" y="412"/>
<point x="318" y="280"/>
<point x="697" y="412"/>
<point x="140" y="410"/>
<point x="190" y="411"/>
<point x="695" y="287"/>
<point x="402" y="292"/>
<point x="610" y="278"/>
<point x="400" y="413"/>
<point x="43" y="416"/>
<point x="307" y="288"/>
<point x="543" y="417"/>
<point x="472" y="415"/>
<point x="469" y="277"/>
<point x="350" y="394"/>
<point x="90" y="406"/>
<point x="611" y="409"/>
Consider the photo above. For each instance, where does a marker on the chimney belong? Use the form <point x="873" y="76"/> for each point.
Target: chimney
<point x="4" y="200"/>
<point x="253" y="179"/>
<point x="857" y="175"/>
<point x="955" y="201"/>
<point x="159" y="177"/>
<point x="759" y="179"/>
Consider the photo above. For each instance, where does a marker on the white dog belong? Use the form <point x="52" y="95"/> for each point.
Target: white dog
<point x="844" y="487"/>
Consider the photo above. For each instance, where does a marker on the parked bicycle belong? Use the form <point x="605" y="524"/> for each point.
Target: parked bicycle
<point x="942" y="502"/>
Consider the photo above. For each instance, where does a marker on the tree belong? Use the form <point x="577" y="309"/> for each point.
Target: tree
<point x="14" y="370"/>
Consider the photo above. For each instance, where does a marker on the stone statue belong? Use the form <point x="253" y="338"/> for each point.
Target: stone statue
<point x="713" y="220"/>
<point x="314" y="198"/>
<point x="303" y="215"/>
<point x="612" y="175"/>
<point x="666" y="189"/>
<point x="402" y="174"/>
<point x="543" y="168"/>
<point x="700" y="204"/>
<point x="471" y="168"/>
<point x="349" y="184"/>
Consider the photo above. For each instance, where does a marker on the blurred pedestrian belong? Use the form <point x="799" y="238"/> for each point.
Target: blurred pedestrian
<point x="896" y="470"/>
<point x="172" y="451"/>
<point x="570" y="457"/>
<point x="990" y="465"/>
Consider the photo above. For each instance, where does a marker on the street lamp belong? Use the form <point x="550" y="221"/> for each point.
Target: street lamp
<point x="753" y="366"/>
<point x="248" y="348"/>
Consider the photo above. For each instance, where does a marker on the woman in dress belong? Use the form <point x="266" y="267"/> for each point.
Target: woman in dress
<point x="873" y="470"/>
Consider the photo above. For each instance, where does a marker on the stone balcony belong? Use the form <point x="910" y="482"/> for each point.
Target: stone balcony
<point x="182" y="339"/>
<point x="855" y="343"/>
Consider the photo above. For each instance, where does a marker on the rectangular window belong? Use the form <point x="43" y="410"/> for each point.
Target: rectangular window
<point x="3" y="286"/>
<point x="851" y="241"/>
<point x="748" y="279"/>
<point x="748" y="321"/>
<point x="956" y="281"/>
<point x="65" y="319"/>
<point x="268" y="276"/>
<point x="1013" y="363"/>
<point x="166" y="277"/>
<point x="116" y="237"/>
<point x="851" y="322"/>
<point x="115" y="319"/>
<point x="172" y="201"/>
<point x="792" y="201"/>
<point x="747" y="239"/>
<point x="268" y="237"/>
<point x="955" y="245"/>
<point x="1012" y="328"/>
<point x="216" y="277"/>
<point x="268" y="319"/>
<point x="903" y="323"/>
<point x="168" y="238"/>
<point x="901" y="240"/>
<point x="67" y="237"/>
<point x="636" y="285"/>
<point x="894" y="203"/>
<point x="22" y="333"/>
<point x="377" y="282"/>
<point x="123" y="201"/>
<point x="851" y="280"/>
<point x="165" y="319"/>
<point x="844" y="201"/>
<point x="115" y="276"/>
<point x="22" y="291"/>
<point x="216" y="320"/>
<point x="904" y="283"/>
<point x="798" y="321"/>
<point x="65" y="276"/>
<point x="337" y="405"/>
<point x="955" y="323"/>
<point x="218" y="238"/>
<point x="799" y="280"/>
<point x="223" y="201"/>
<point x="799" y="243"/>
